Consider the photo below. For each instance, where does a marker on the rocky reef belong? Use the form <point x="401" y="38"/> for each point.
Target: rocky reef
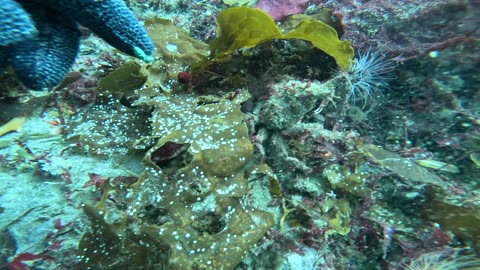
<point x="251" y="152"/>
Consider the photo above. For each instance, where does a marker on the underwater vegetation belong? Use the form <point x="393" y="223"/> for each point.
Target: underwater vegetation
<point x="270" y="146"/>
<point x="188" y="200"/>
<point x="246" y="27"/>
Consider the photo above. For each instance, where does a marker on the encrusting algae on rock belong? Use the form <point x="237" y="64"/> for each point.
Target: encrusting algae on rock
<point x="185" y="210"/>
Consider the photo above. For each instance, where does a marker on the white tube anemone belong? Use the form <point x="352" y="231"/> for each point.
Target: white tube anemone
<point x="369" y="72"/>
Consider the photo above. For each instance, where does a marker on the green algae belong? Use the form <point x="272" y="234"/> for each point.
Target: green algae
<point x="341" y="177"/>
<point x="244" y="27"/>
<point x="338" y="213"/>
<point x="402" y="166"/>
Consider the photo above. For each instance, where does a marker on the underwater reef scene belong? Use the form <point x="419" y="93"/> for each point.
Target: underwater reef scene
<point x="257" y="134"/>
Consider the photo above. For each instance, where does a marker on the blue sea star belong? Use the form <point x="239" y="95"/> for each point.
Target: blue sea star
<point x="40" y="38"/>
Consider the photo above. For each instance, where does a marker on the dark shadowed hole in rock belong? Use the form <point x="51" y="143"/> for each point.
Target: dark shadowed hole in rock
<point x="210" y="223"/>
<point x="154" y="215"/>
<point x="171" y="155"/>
<point x="198" y="187"/>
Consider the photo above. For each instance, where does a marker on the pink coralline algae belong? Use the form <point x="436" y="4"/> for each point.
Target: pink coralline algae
<point x="279" y="9"/>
